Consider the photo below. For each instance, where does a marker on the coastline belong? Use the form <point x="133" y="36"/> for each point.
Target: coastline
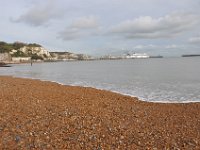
<point x="48" y="115"/>
<point x="102" y="89"/>
<point x="173" y="89"/>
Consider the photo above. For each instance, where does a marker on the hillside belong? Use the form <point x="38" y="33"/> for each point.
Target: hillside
<point x="23" y="52"/>
<point x="8" y="47"/>
<point x="19" y="49"/>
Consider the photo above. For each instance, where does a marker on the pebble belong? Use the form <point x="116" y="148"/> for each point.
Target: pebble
<point x="98" y="120"/>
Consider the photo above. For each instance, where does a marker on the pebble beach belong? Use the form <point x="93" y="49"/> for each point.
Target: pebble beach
<point x="38" y="114"/>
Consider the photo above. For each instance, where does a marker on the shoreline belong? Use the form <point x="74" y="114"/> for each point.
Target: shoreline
<point x="38" y="114"/>
<point x="122" y="94"/>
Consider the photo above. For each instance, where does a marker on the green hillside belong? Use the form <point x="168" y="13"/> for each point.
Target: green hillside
<point x="7" y="47"/>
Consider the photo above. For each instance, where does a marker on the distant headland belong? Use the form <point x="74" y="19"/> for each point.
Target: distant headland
<point x="191" y="55"/>
<point x="19" y="52"/>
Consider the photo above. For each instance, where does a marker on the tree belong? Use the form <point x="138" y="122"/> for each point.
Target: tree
<point x="19" y="54"/>
<point x="18" y="45"/>
<point x="36" y="57"/>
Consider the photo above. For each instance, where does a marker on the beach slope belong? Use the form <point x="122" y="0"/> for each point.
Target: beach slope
<point x="44" y="115"/>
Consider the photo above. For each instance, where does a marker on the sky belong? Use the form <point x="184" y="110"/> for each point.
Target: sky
<point x="99" y="27"/>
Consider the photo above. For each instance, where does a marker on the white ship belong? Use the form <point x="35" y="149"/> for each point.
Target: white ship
<point x="137" y="55"/>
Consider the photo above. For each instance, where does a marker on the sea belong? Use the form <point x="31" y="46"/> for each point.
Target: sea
<point x="171" y="80"/>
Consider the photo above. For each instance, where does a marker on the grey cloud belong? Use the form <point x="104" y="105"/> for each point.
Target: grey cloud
<point x="40" y="14"/>
<point x="165" y="50"/>
<point x="158" y="47"/>
<point x="85" y="23"/>
<point x="163" y="27"/>
<point x="70" y="34"/>
<point x="194" y="40"/>
<point x="81" y="27"/>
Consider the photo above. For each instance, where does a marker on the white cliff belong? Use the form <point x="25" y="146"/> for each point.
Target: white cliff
<point x="5" y="57"/>
<point x="40" y="51"/>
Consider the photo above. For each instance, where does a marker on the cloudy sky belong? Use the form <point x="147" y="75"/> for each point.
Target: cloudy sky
<point x="165" y="27"/>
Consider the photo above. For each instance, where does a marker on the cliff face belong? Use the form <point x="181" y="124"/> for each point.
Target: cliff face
<point x="18" y="52"/>
<point x="40" y="51"/>
<point x="68" y="56"/>
<point x="5" y="57"/>
<point x="46" y="55"/>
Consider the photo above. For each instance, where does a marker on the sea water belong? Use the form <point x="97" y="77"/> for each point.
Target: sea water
<point x="156" y="80"/>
